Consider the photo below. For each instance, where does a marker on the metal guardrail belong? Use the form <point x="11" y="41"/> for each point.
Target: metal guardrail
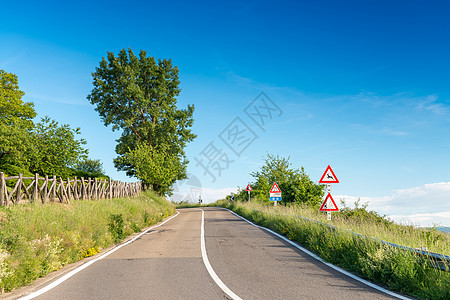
<point x="437" y="260"/>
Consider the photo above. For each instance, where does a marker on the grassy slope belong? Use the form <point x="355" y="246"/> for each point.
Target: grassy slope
<point x="399" y="270"/>
<point x="38" y="239"/>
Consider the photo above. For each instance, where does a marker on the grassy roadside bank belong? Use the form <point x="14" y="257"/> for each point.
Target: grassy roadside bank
<point x="38" y="239"/>
<point x="399" y="270"/>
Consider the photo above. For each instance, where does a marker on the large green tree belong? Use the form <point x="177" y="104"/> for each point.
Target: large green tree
<point x="137" y="95"/>
<point x="15" y="121"/>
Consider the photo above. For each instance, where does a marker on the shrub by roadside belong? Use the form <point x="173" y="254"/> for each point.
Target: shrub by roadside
<point x="37" y="239"/>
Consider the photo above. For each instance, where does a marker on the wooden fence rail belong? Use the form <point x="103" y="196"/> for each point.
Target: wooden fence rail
<point x="45" y="189"/>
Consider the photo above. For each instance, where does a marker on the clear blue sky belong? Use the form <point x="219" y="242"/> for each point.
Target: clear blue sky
<point x="360" y="85"/>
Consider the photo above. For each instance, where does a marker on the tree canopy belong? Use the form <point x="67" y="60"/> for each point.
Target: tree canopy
<point x="90" y="166"/>
<point x="16" y="118"/>
<point x="44" y="147"/>
<point x="137" y="95"/>
<point x="13" y="111"/>
<point x="55" y="148"/>
<point x="295" y="184"/>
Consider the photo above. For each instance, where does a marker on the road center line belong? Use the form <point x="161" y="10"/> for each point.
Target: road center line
<point x="209" y="267"/>
<point x="84" y="266"/>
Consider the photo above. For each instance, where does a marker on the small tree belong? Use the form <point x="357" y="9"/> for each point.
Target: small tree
<point x="295" y="184"/>
<point x="90" y="166"/>
<point x="156" y="165"/>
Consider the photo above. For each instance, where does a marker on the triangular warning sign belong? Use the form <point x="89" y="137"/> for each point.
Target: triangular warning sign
<point x="329" y="176"/>
<point x="329" y="204"/>
<point x="249" y="188"/>
<point x="275" y="188"/>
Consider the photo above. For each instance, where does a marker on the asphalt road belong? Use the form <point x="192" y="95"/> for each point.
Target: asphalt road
<point x="167" y="263"/>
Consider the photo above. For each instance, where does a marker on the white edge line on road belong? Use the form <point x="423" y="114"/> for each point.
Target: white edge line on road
<point x="372" y="285"/>
<point x="84" y="266"/>
<point x="209" y="267"/>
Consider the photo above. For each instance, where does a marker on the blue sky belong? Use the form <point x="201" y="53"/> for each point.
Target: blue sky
<point x="360" y="85"/>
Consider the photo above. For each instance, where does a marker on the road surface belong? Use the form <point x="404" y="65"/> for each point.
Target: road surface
<point x="167" y="263"/>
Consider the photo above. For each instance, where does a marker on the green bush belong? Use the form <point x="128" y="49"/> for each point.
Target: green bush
<point x="115" y="227"/>
<point x="11" y="170"/>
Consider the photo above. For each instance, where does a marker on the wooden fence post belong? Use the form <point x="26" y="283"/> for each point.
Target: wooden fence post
<point x="75" y="188"/>
<point x="95" y="189"/>
<point x="89" y="188"/>
<point x="54" y="189"/>
<point x="82" y="189"/>
<point x="69" y="190"/>
<point x="45" y="191"/>
<point x="109" y="189"/>
<point x="61" y="190"/>
<point x="19" y="188"/>
<point x="36" y="187"/>
<point x="2" y="188"/>
<point x="104" y="190"/>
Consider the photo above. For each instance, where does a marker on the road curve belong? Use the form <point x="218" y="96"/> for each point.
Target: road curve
<point x="167" y="263"/>
<point x="257" y="265"/>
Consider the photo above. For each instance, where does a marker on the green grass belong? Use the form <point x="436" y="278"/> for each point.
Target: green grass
<point x="399" y="270"/>
<point x="37" y="239"/>
<point x="189" y="205"/>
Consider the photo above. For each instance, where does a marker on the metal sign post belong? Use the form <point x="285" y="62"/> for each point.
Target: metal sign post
<point x="249" y="189"/>
<point x="329" y="192"/>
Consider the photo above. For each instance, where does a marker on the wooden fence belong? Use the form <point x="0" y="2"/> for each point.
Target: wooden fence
<point x="45" y="189"/>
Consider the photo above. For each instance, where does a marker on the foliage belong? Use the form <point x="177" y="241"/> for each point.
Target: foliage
<point x="12" y="170"/>
<point x="13" y="111"/>
<point x="90" y="167"/>
<point x="45" y="147"/>
<point x="295" y="184"/>
<point x="360" y="214"/>
<point x="115" y="226"/>
<point x="13" y="149"/>
<point x="55" y="148"/>
<point x="37" y="239"/>
<point x="156" y="165"/>
<point x="15" y="120"/>
<point x="138" y="95"/>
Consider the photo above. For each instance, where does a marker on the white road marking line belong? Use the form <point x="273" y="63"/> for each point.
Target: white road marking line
<point x="372" y="285"/>
<point x="84" y="266"/>
<point x="209" y="267"/>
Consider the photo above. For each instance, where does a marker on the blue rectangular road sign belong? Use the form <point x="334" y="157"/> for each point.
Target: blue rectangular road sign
<point x="275" y="198"/>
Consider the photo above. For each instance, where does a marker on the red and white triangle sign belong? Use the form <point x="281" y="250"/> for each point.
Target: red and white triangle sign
<point x="329" y="204"/>
<point x="329" y="176"/>
<point x="249" y="188"/>
<point x="275" y="188"/>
